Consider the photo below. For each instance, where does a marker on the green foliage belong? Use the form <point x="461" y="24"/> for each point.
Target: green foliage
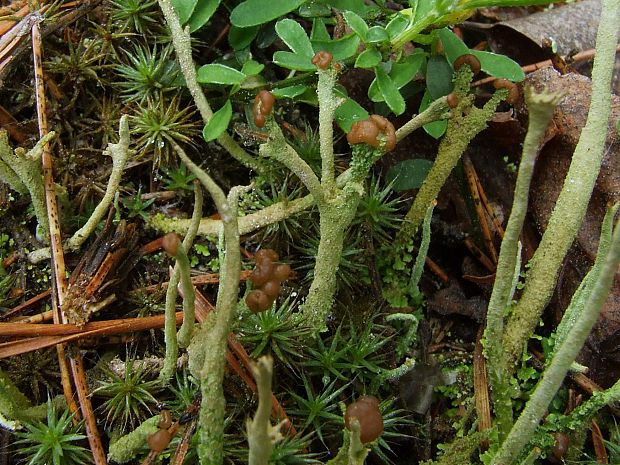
<point x="53" y="443"/>
<point x="129" y="396"/>
<point x="275" y="331"/>
<point x="377" y="213"/>
<point x="149" y="74"/>
<point x="179" y="179"/>
<point x="254" y="12"/>
<point x="141" y="16"/>
<point x="318" y="409"/>
<point x="158" y="124"/>
<point x="408" y="174"/>
<point x="136" y="205"/>
<point x="218" y="122"/>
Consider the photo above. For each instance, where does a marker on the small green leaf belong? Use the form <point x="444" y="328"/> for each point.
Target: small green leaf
<point x="294" y="36"/>
<point x="357" y="6"/>
<point x="453" y="46"/>
<point x="499" y="66"/>
<point x="202" y="13"/>
<point x="289" y="92"/>
<point x="348" y="113"/>
<point x="390" y="92"/>
<point x="397" y="25"/>
<point x="356" y="23"/>
<point x="219" y="74"/>
<point x="435" y="129"/>
<point x="408" y="174"/>
<point x="403" y="72"/>
<point x="218" y="122"/>
<point x="252" y="68"/>
<point x="255" y="12"/>
<point x="291" y="60"/>
<point x="369" y="58"/>
<point x="341" y="49"/>
<point x="314" y="10"/>
<point x="240" y="37"/>
<point x="319" y="31"/>
<point x="377" y="34"/>
<point x="438" y="76"/>
<point x="184" y="9"/>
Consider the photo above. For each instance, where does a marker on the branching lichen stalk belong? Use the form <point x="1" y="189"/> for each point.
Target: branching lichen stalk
<point x="466" y="122"/>
<point x="120" y="154"/>
<point x="22" y="171"/>
<point x="554" y="374"/>
<point x="189" y="310"/>
<point x="208" y="348"/>
<point x="540" y="107"/>
<point x="573" y="200"/>
<point x="181" y="272"/>
<point x="436" y="111"/>
<point x="182" y="46"/>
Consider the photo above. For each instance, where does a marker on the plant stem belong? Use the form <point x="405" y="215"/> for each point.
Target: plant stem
<point x="554" y="374"/>
<point x="328" y="102"/>
<point x="436" y="111"/>
<point x="208" y="348"/>
<point x="540" y="108"/>
<point x="182" y="46"/>
<point x="181" y="272"/>
<point x="466" y="122"/>
<point x="120" y="154"/>
<point x="574" y="197"/>
<point x="189" y="311"/>
<point x="259" y="428"/>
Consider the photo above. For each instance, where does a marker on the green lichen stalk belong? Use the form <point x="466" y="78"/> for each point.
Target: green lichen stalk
<point x="554" y="374"/>
<point x="181" y="272"/>
<point x="23" y="172"/>
<point x="540" y="108"/>
<point x="120" y="154"/>
<point x="466" y="122"/>
<point x="261" y="435"/>
<point x="573" y="200"/>
<point x="182" y="46"/>
<point x="207" y="351"/>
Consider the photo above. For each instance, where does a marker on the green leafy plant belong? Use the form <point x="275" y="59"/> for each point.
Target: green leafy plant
<point x="129" y="396"/>
<point x="55" y="442"/>
<point x="136" y="205"/>
<point x="275" y="331"/>
<point x="148" y="74"/>
<point x="318" y="409"/>
<point x="159" y="123"/>
<point x="135" y="15"/>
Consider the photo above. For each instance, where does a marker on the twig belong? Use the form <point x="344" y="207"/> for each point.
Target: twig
<point x="50" y="335"/>
<point x="58" y="260"/>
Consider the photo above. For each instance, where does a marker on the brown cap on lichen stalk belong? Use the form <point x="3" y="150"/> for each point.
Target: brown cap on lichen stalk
<point x="468" y="59"/>
<point x="322" y="59"/>
<point x="511" y="87"/>
<point x="366" y="410"/>
<point x="367" y="132"/>
<point x="263" y="104"/>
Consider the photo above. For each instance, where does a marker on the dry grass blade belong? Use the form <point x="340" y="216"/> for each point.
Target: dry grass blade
<point x="599" y="444"/>
<point x="183" y="447"/>
<point x="481" y="388"/>
<point x="470" y="174"/>
<point x="21" y="307"/>
<point x="63" y="333"/>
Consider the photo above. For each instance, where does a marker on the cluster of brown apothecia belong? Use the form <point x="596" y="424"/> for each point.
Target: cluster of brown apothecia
<point x="263" y="103"/>
<point x="266" y="277"/>
<point x="368" y="130"/>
